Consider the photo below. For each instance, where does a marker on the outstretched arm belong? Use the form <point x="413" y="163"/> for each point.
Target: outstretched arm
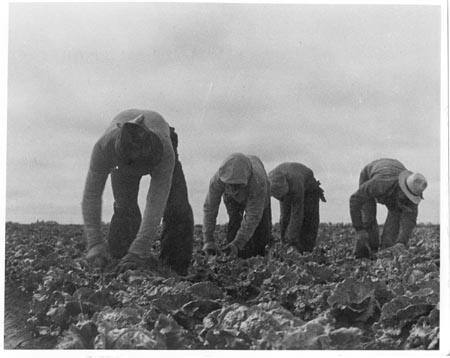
<point x="211" y="207"/>
<point x="252" y="215"/>
<point x="92" y="196"/>
<point x="158" y="193"/>
<point x="285" y="215"/>
<point x="367" y="191"/>
<point x="297" y="214"/>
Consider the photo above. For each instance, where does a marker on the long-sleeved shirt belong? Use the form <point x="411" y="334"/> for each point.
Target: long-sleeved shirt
<point x="104" y="158"/>
<point x="379" y="181"/>
<point x="255" y="195"/>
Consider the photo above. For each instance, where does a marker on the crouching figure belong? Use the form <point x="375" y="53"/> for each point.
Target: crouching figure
<point x="388" y="182"/>
<point x="243" y="183"/>
<point x="299" y="193"/>
<point x="138" y="143"/>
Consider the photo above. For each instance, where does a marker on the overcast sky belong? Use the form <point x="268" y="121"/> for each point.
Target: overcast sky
<point x="333" y="87"/>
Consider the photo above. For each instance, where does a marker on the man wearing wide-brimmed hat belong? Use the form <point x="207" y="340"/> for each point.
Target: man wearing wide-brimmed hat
<point x="243" y="183"/>
<point x="388" y="182"/>
<point x="138" y="143"/>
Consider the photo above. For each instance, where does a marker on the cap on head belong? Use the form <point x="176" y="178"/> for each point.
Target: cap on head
<point x="412" y="185"/>
<point x="279" y="186"/>
<point x="236" y="169"/>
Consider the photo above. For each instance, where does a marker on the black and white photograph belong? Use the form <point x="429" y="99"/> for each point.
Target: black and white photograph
<point x="225" y="176"/>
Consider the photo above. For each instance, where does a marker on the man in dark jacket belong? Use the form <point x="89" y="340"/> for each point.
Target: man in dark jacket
<point x="243" y="183"/>
<point x="138" y="143"/>
<point x="294" y="185"/>
<point x="388" y="182"/>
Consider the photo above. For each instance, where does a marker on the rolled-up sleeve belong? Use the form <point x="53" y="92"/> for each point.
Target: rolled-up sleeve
<point x="91" y="205"/>
<point x="253" y="213"/>
<point x="211" y="207"/>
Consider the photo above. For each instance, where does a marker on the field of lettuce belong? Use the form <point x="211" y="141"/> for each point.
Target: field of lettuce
<point x="323" y="300"/>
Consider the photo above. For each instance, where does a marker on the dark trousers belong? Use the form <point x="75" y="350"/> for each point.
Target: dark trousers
<point x="304" y="238"/>
<point x="262" y="236"/>
<point x="178" y="221"/>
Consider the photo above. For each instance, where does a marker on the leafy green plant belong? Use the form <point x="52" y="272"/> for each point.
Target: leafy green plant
<point x="325" y="299"/>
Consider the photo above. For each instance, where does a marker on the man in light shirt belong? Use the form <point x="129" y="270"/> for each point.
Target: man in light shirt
<point x="138" y="143"/>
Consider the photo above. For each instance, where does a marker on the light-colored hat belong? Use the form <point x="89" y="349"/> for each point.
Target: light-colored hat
<point x="413" y="185"/>
<point x="236" y="169"/>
